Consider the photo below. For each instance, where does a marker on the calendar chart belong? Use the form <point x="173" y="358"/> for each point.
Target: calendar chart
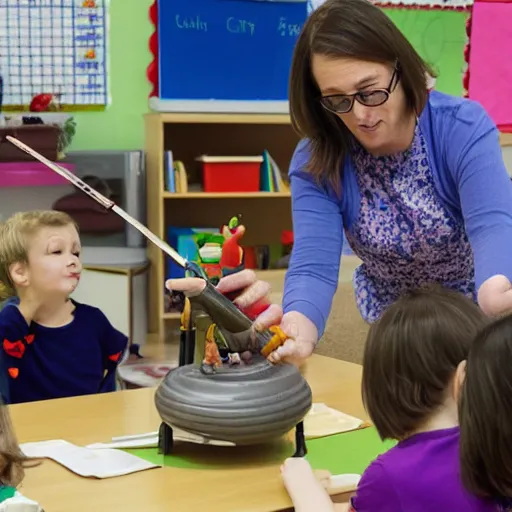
<point x="54" y="47"/>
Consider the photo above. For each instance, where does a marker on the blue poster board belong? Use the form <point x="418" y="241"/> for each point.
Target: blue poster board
<point x="226" y="55"/>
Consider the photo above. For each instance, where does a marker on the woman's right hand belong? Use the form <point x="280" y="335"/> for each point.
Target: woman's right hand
<point x="252" y="299"/>
<point x="250" y="294"/>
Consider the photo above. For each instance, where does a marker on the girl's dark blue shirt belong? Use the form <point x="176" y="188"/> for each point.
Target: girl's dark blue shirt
<point x="40" y="363"/>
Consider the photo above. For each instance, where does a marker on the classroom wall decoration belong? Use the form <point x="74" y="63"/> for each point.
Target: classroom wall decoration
<point x="426" y="4"/>
<point x="54" y="47"/>
<point x="490" y="60"/>
<point x="407" y="4"/>
<point x="440" y="37"/>
<point x="437" y="30"/>
<point x="223" y="55"/>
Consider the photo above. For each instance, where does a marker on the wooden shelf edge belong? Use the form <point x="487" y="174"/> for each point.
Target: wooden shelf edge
<point x="225" y="195"/>
<point x="175" y="315"/>
<point x="221" y="118"/>
<point x="506" y="139"/>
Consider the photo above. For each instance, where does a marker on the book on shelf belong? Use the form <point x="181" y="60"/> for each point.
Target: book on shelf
<point x="175" y="174"/>
<point x="271" y="177"/>
<point x="176" y="178"/>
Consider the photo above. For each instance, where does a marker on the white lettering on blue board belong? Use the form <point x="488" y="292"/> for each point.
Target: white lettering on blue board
<point x="288" y="29"/>
<point x="238" y="26"/>
<point x="191" y="23"/>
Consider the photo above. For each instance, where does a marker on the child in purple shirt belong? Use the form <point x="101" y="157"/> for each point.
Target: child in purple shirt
<point x="485" y="406"/>
<point x="409" y="367"/>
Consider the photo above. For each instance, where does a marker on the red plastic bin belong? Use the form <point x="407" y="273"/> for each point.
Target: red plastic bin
<point x="231" y="173"/>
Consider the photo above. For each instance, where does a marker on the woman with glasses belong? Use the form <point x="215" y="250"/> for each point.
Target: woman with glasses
<point x="414" y="178"/>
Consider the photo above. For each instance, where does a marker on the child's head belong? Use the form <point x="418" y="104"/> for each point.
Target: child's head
<point x="411" y="357"/>
<point x="485" y="412"/>
<point x="40" y="250"/>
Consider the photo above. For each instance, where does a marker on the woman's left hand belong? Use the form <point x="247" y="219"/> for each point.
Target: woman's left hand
<point x="495" y="296"/>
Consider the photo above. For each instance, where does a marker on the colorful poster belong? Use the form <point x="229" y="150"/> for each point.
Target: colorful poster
<point x="427" y="4"/>
<point x="54" y="47"/>
<point x="490" y="60"/>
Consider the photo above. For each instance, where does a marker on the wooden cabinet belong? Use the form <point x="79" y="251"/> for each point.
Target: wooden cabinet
<point x="265" y="214"/>
<point x="120" y="291"/>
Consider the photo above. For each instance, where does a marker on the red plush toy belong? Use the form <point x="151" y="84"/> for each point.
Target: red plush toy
<point x="44" y="103"/>
<point x="232" y="255"/>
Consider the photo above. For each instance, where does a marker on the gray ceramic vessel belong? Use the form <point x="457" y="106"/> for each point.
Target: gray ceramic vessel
<point x="244" y="405"/>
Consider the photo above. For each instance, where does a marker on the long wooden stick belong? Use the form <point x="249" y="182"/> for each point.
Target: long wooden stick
<point x="100" y="198"/>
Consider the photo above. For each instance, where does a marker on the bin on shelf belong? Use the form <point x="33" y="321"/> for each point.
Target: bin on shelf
<point x="31" y="174"/>
<point x="231" y="173"/>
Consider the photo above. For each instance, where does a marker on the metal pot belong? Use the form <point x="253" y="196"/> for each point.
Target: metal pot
<point x="244" y="405"/>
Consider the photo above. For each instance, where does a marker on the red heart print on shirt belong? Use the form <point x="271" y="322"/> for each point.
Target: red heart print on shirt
<point x="115" y="357"/>
<point x="14" y="348"/>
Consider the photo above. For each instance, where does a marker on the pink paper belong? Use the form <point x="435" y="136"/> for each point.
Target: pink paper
<point x="490" y="59"/>
<point x="31" y="174"/>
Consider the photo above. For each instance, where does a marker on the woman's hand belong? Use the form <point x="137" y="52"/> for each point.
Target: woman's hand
<point x="302" y="338"/>
<point x="251" y="296"/>
<point x="301" y="332"/>
<point x="495" y="296"/>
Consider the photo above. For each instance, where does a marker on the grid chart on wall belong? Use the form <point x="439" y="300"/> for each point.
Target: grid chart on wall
<point x="56" y="47"/>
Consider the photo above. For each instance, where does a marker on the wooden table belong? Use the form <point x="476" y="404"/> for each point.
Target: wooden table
<point x="250" y="482"/>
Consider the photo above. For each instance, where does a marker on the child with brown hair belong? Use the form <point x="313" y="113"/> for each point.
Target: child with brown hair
<point x="52" y="346"/>
<point x="408" y="386"/>
<point x="12" y="469"/>
<point x="485" y="407"/>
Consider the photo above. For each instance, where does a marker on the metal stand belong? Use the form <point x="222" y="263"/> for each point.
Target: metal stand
<point x="165" y="439"/>
<point x="300" y="441"/>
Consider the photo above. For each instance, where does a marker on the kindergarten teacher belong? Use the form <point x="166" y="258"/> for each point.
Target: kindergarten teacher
<point x="415" y="179"/>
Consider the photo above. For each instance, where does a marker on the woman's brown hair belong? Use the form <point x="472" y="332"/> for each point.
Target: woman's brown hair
<point x="485" y="408"/>
<point x="411" y="355"/>
<point x="355" y="29"/>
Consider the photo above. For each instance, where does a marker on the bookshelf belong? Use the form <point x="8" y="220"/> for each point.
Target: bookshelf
<point x="190" y="135"/>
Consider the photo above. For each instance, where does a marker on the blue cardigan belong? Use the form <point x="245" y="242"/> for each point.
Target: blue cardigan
<point x="470" y="178"/>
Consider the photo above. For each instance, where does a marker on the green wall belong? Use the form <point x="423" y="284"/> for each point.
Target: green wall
<point x="121" y="125"/>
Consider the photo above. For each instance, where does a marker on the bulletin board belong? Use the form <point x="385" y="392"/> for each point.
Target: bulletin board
<point x="490" y="60"/>
<point x="439" y="36"/>
<point x="224" y="55"/>
<point x="57" y="47"/>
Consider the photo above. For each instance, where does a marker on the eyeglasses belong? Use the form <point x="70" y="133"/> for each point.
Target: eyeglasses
<point x="343" y="103"/>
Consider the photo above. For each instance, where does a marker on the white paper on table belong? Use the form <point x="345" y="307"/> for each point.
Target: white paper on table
<point x="105" y="463"/>
<point x="322" y="421"/>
